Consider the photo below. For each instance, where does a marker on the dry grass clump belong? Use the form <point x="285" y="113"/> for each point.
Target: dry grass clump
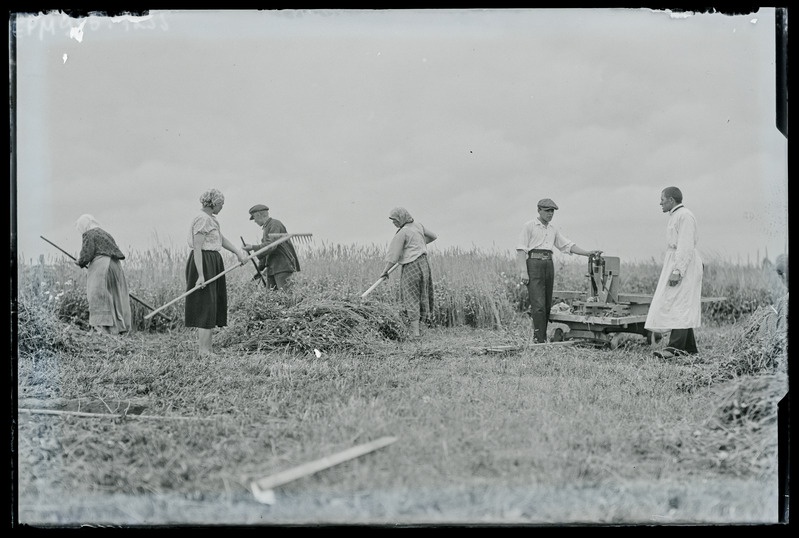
<point x="276" y="320"/>
<point x="762" y="342"/>
<point x="739" y="435"/>
<point x="759" y="347"/>
<point x="41" y="331"/>
<point x="747" y="377"/>
<point x="748" y="403"/>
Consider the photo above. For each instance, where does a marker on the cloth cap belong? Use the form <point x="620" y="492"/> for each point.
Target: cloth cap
<point x="256" y="208"/>
<point x="547" y="203"/>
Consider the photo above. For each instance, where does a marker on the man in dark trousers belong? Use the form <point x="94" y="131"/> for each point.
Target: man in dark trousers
<point x="537" y="241"/>
<point x="280" y="262"/>
<point x="676" y="306"/>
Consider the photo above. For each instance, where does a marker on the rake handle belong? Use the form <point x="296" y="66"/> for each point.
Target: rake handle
<point x="130" y="294"/>
<point x="220" y="275"/>
<point x="243" y="242"/>
<point x="379" y="280"/>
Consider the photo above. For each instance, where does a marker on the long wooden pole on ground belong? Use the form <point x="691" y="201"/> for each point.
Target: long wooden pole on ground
<point x="223" y="273"/>
<point x="267" y="483"/>
<point x="130" y="294"/>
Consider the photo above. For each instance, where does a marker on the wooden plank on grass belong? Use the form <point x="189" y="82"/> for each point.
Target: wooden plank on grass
<point x="504" y="349"/>
<point x="103" y="415"/>
<point x="311" y="467"/>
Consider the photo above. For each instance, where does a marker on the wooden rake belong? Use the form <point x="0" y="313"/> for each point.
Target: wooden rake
<point x="130" y="294"/>
<point x="254" y="255"/>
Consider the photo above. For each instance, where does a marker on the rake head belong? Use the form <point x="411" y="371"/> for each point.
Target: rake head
<point x="298" y="238"/>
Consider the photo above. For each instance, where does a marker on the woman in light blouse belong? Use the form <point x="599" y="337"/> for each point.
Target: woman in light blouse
<point x="408" y="248"/>
<point x="206" y="308"/>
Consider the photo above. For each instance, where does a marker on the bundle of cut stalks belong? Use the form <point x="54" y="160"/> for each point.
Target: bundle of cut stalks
<point x="40" y="331"/>
<point x="739" y="434"/>
<point x="275" y="323"/>
<point x="760" y="347"/>
<point x="762" y="343"/>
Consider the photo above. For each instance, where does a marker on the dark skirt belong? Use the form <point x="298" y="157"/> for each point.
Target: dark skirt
<point x="206" y="308"/>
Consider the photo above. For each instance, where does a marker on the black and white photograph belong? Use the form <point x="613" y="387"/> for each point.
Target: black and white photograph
<point x="496" y="267"/>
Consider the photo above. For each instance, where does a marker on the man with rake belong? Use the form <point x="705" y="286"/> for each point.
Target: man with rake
<point x="280" y="262"/>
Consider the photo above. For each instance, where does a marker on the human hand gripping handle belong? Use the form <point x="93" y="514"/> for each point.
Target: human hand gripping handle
<point x="383" y="277"/>
<point x="675" y="277"/>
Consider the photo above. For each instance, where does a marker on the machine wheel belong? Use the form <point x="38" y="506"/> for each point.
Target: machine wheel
<point x="557" y="335"/>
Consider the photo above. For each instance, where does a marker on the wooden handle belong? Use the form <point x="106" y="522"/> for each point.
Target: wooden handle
<point x="220" y="275"/>
<point x="244" y="243"/>
<point x="379" y="280"/>
<point x="315" y="466"/>
<point x="130" y="294"/>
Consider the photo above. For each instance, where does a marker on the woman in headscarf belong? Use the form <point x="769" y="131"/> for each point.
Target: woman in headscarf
<point x="408" y="248"/>
<point x="106" y="286"/>
<point x="206" y="308"/>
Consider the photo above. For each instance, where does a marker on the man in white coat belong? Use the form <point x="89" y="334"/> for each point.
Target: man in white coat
<point x="677" y="303"/>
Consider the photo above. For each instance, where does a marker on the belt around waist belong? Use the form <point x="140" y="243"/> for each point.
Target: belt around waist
<point x="540" y="254"/>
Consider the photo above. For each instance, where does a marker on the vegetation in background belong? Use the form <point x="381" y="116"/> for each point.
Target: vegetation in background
<point x="472" y="288"/>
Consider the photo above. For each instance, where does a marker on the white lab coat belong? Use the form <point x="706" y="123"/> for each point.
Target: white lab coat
<point x="680" y="306"/>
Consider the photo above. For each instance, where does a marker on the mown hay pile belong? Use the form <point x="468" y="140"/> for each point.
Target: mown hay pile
<point x="762" y="343"/>
<point x="40" y="331"/>
<point x="739" y="436"/>
<point x="748" y="379"/>
<point x="274" y="321"/>
<point x="759" y="347"/>
<point x="749" y="403"/>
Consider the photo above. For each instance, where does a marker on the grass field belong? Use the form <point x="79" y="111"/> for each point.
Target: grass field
<point x="559" y="434"/>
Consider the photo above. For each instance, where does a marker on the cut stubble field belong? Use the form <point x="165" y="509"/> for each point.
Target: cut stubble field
<point x="141" y="431"/>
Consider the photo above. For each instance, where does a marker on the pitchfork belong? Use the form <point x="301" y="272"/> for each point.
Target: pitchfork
<point x="283" y="239"/>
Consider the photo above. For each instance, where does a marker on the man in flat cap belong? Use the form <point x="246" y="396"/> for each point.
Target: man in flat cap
<point x="537" y="241"/>
<point x="280" y="262"/>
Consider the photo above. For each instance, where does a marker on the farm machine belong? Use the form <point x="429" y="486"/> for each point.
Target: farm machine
<point x="602" y="314"/>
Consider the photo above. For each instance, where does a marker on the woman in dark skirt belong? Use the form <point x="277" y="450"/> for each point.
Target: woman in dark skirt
<point x="206" y="308"/>
<point x="408" y="248"/>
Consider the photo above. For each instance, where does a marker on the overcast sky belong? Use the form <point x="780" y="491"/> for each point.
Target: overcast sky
<point x="464" y="117"/>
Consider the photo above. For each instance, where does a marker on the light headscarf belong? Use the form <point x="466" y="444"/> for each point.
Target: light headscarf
<point x="85" y="223"/>
<point x="212" y="197"/>
<point x="402" y="216"/>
